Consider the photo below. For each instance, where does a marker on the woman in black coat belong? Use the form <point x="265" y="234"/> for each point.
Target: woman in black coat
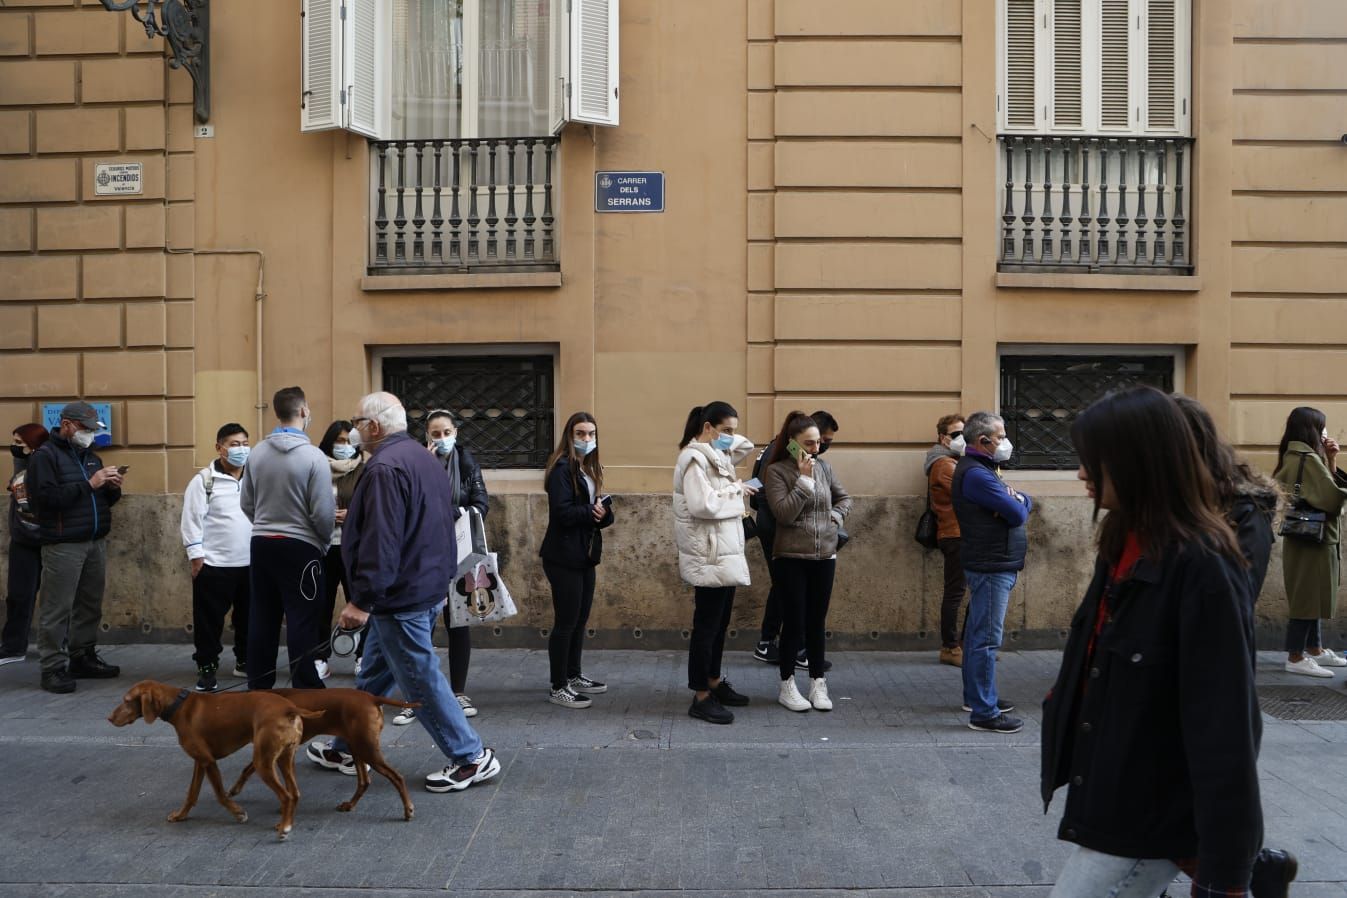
<point x="572" y="548"/>
<point x="1153" y="723"/>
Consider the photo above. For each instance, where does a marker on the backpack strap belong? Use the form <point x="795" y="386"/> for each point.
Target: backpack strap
<point x="208" y="481"/>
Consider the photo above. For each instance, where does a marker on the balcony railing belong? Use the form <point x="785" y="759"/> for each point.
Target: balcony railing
<point x="1086" y="204"/>
<point x="483" y="204"/>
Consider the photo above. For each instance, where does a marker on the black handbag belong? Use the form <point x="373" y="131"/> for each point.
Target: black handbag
<point x="750" y="528"/>
<point x="927" y="527"/>
<point x="1302" y="520"/>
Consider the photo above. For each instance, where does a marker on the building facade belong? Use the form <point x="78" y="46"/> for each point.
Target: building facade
<point x="889" y="210"/>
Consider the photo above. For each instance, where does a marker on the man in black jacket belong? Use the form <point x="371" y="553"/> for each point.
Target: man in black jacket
<point x="74" y="494"/>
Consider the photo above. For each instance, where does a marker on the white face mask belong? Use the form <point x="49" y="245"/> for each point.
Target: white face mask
<point x="958" y="445"/>
<point x="1003" y="451"/>
<point x="83" y="438"/>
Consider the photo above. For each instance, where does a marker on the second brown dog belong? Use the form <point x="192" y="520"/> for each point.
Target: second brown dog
<point x="357" y="717"/>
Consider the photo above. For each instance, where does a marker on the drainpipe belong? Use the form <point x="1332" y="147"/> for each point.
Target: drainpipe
<point x="258" y="296"/>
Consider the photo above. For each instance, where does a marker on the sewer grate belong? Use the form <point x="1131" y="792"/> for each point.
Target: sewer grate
<point x="1303" y="702"/>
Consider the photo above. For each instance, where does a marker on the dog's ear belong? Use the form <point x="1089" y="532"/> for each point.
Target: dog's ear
<point x="150" y="706"/>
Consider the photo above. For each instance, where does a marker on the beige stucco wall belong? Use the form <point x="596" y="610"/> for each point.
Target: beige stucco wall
<point x="829" y="241"/>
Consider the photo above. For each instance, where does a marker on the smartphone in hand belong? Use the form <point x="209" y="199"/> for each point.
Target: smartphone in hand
<point x="607" y="501"/>
<point x="795" y="450"/>
<point x="755" y="484"/>
<point x="122" y="469"/>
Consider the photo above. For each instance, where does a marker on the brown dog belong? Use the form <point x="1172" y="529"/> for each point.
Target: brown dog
<point x="355" y="716"/>
<point x="214" y="726"/>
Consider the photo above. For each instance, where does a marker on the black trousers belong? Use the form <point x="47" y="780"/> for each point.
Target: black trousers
<point x="771" y="612"/>
<point x="572" y="599"/>
<point x="806" y="589"/>
<point x="1302" y="633"/>
<point x="25" y="578"/>
<point x="955" y="588"/>
<point x="710" y="620"/>
<point x="460" y="653"/>
<point x="287" y="582"/>
<point x="216" y="593"/>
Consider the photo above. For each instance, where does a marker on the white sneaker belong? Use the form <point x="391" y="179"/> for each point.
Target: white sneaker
<point x="1328" y="658"/>
<point x="323" y="670"/>
<point x="404" y="717"/>
<point x="818" y="695"/>
<point x="357" y="667"/>
<point x="466" y="704"/>
<point x="1308" y="667"/>
<point x="789" y="696"/>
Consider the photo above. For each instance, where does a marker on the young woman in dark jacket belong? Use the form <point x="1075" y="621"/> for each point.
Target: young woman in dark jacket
<point x="1161" y="644"/>
<point x="572" y="548"/>
<point x="347" y="463"/>
<point x="25" y="549"/>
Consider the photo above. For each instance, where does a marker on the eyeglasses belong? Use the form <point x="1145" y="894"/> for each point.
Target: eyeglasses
<point x="356" y="422"/>
<point x="954" y="434"/>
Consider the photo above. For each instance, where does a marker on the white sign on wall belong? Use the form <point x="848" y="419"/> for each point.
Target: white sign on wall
<point x="118" y="178"/>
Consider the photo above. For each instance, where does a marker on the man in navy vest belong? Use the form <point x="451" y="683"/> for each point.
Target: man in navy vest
<point x="991" y="517"/>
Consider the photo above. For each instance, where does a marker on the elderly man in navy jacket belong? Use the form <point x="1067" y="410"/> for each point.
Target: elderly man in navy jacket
<point x="399" y="551"/>
<point x="991" y="517"/>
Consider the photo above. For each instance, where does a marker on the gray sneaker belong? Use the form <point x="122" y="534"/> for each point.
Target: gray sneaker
<point x="1001" y="723"/>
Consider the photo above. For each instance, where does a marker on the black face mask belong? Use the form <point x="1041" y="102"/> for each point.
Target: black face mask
<point x="823" y="447"/>
<point x="18" y="451"/>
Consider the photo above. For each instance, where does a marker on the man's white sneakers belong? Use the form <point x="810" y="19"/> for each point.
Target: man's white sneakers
<point x="818" y="695"/>
<point x="789" y="696"/>
<point x="1307" y="667"/>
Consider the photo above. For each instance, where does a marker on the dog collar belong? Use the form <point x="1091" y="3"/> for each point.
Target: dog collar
<point x="167" y="714"/>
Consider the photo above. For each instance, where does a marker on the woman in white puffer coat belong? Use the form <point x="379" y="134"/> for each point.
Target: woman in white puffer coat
<point x="708" y="502"/>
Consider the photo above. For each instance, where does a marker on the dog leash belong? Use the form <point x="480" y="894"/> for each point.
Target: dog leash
<point x="287" y="666"/>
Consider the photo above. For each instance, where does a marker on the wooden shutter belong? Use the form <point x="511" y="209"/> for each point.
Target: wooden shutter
<point x="1068" y="110"/>
<point x="594" y="62"/>
<point x="320" y="65"/>
<point x="1168" y="66"/>
<point x="560" y="38"/>
<point x="1019" y="93"/>
<point x="368" y="40"/>
<point x="1115" y="65"/>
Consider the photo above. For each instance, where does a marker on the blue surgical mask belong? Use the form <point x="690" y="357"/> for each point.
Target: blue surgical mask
<point x="343" y="451"/>
<point x="724" y="442"/>
<point x="445" y="445"/>
<point x="584" y="448"/>
<point x="237" y="456"/>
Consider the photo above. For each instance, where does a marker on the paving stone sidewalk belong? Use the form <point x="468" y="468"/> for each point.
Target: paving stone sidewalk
<point x="888" y="795"/>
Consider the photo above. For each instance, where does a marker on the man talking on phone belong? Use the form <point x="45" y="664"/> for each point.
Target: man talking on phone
<point x="73" y="492"/>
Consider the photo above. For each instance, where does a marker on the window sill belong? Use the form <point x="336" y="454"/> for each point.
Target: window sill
<point x="482" y="281"/>
<point x="1167" y="283"/>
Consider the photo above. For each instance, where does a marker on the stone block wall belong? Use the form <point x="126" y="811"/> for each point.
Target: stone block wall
<point x="95" y="302"/>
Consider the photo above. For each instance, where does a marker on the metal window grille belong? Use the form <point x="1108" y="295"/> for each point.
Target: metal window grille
<point x="1042" y="395"/>
<point x="504" y="404"/>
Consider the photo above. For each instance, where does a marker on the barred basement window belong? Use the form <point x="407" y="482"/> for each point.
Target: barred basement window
<point x="1041" y="395"/>
<point x="504" y="404"/>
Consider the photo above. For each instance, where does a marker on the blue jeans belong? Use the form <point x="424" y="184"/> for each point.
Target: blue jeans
<point x="1093" y="873"/>
<point x="988" y="596"/>
<point x="399" y="653"/>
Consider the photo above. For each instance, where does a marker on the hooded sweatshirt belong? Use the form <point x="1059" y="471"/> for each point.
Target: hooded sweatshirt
<point x="287" y="489"/>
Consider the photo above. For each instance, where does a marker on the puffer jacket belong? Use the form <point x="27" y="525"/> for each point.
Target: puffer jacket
<point x="808" y="511"/>
<point x="68" y="509"/>
<point x="708" y="504"/>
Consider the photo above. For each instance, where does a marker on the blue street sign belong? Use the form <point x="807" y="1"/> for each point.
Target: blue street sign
<point x="629" y="191"/>
<point x="51" y="419"/>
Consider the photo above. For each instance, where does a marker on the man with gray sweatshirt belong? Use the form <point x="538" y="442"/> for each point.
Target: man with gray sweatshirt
<point x="286" y="492"/>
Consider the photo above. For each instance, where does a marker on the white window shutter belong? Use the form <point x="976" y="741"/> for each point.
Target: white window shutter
<point x="1167" y="71"/>
<point x="320" y="66"/>
<point x="560" y="38"/>
<point x="1068" y="60"/>
<point x="594" y="62"/>
<point x="368" y="42"/>
<point x="1116" y="30"/>
<point x="1020" y="64"/>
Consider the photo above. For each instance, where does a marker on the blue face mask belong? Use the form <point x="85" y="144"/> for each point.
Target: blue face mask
<point x="343" y="451"/>
<point x="585" y="448"/>
<point x="237" y="456"/>
<point x="445" y="445"/>
<point x="724" y="442"/>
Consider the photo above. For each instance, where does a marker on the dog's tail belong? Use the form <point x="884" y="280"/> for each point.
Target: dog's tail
<point x="307" y="715"/>
<point x="380" y="700"/>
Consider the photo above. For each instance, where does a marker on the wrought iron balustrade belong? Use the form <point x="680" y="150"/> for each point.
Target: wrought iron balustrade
<point x="463" y="205"/>
<point x="1116" y="204"/>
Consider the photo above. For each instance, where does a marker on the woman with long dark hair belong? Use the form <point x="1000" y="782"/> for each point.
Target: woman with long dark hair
<point x="809" y="504"/>
<point x="708" y="505"/>
<point x="25" y="550"/>
<point x="1160" y="644"/>
<point x="1312" y="570"/>
<point x="572" y="548"/>
<point x="348" y="464"/>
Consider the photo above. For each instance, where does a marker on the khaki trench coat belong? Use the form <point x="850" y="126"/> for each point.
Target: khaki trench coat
<point x="1312" y="571"/>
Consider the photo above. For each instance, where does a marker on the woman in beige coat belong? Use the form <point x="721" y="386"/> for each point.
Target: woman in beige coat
<point x="1312" y="570"/>
<point x="708" y="504"/>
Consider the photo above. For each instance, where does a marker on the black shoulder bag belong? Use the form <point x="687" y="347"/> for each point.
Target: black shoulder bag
<point x="1303" y="521"/>
<point x="927" y="526"/>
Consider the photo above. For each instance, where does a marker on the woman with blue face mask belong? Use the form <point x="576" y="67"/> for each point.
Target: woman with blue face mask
<point x="468" y="490"/>
<point x="571" y="550"/>
<point x="340" y="443"/>
<point x="708" y="504"/>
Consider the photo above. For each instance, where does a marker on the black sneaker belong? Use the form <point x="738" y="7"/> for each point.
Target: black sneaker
<point x="205" y="681"/>
<point x="1002" y="706"/>
<point x="12" y="657"/>
<point x="88" y="666"/>
<point x="726" y="695"/>
<point x="767" y="652"/>
<point x="1273" y="871"/>
<point x="241" y="669"/>
<point x="583" y="685"/>
<point x="802" y="662"/>
<point x="1001" y="723"/>
<point x="710" y="710"/>
<point x="325" y="756"/>
<point x="59" y="681"/>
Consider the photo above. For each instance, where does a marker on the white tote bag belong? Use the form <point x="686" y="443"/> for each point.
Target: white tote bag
<point x="478" y="595"/>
